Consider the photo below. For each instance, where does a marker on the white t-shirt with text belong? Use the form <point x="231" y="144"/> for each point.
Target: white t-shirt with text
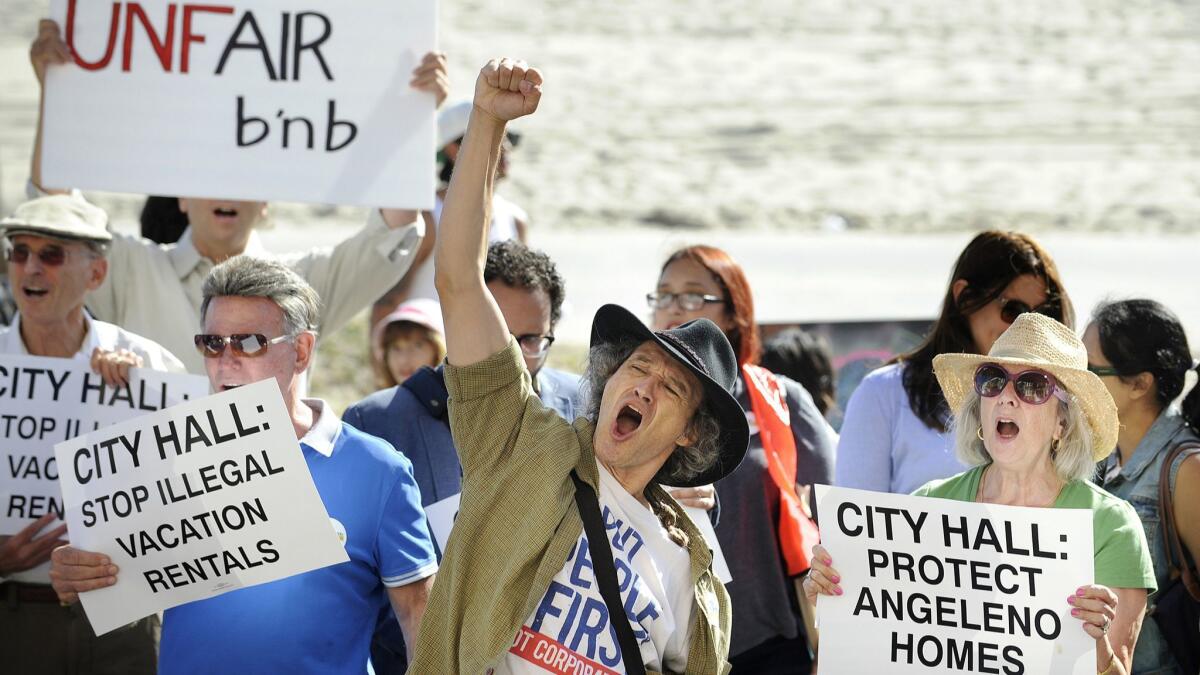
<point x="570" y="631"/>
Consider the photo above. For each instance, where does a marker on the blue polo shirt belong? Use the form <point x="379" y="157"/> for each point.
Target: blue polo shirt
<point x="320" y="621"/>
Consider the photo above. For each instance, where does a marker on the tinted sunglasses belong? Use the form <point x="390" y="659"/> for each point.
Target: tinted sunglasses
<point x="1011" y="309"/>
<point x="242" y="344"/>
<point x="1034" y="387"/>
<point x="51" y="256"/>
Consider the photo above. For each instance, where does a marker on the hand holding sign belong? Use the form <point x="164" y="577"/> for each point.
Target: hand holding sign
<point x="508" y="89"/>
<point x="30" y="547"/>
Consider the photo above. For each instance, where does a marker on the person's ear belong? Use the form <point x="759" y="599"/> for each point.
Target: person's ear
<point x="183" y="204"/>
<point x="957" y="288"/>
<point x="1140" y="385"/>
<point x="306" y="345"/>
<point x="99" y="272"/>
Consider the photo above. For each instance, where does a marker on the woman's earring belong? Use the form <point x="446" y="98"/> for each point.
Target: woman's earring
<point x="979" y="432"/>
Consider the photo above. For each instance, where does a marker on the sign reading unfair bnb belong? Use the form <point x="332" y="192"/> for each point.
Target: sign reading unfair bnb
<point x="244" y="99"/>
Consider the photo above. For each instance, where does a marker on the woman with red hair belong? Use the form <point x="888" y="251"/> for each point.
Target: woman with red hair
<point x="764" y="519"/>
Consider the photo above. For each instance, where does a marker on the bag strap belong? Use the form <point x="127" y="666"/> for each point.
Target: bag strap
<point x="606" y="574"/>
<point x="1174" y="548"/>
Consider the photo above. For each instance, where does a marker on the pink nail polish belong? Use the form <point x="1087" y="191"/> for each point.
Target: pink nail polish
<point x="1070" y="599"/>
<point x="837" y="591"/>
<point x="836" y="579"/>
<point x="1075" y="612"/>
<point x="1080" y="590"/>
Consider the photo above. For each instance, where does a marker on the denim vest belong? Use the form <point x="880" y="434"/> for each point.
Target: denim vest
<point x="1137" y="482"/>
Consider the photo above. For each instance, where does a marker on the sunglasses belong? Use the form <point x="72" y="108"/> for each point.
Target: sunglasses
<point x="242" y="344"/>
<point x="1034" y="387"/>
<point x="688" y="302"/>
<point x="1011" y="309"/>
<point x="51" y="256"/>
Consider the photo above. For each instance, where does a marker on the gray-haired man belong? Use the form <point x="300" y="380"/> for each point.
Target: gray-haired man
<point x="258" y="319"/>
<point x="55" y="248"/>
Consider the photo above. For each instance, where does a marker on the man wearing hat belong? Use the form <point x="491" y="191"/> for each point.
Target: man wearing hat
<point x="55" y="247"/>
<point x="523" y="589"/>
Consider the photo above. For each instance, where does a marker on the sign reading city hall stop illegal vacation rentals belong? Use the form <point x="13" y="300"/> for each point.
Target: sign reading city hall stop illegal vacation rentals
<point x="942" y="586"/>
<point x="202" y="498"/>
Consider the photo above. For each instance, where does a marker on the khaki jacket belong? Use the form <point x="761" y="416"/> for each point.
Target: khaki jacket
<point x="518" y="523"/>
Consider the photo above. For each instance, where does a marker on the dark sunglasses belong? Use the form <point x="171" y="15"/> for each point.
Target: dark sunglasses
<point x="1034" y="387"/>
<point x="1011" y="309"/>
<point x="242" y="344"/>
<point x="51" y="256"/>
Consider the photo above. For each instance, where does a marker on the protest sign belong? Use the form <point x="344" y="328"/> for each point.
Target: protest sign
<point x="47" y="400"/>
<point x="943" y="586"/>
<point x="244" y="99"/>
<point x="202" y="498"/>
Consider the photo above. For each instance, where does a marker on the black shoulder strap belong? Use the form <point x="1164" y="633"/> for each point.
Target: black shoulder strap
<point x="606" y="574"/>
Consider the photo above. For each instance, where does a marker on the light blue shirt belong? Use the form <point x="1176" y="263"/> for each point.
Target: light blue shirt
<point x="320" y="621"/>
<point x="884" y="446"/>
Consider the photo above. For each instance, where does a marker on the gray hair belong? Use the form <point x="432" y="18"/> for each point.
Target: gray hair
<point x="1072" y="457"/>
<point x="685" y="462"/>
<point x="245" y="276"/>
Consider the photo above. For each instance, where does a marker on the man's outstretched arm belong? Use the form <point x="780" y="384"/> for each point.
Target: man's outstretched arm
<point x="504" y="91"/>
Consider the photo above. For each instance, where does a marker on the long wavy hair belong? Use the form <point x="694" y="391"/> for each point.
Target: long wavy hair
<point x="739" y="301"/>
<point x="988" y="264"/>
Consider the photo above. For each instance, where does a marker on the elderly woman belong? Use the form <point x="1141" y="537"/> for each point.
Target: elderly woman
<point x="1032" y="421"/>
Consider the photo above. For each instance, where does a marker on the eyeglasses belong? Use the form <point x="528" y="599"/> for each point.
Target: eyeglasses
<point x="1103" y="371"/>
<point x="1011" y="309"/>
<point x="242" y="344"/>
<point x="688" y="302"/>
<point x="51" y="256"/>
<point x="534" y="345"/>
<point x="1034" y="387"/>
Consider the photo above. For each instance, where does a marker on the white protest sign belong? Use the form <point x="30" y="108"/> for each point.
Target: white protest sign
<point x="45" y="401"/>
<point x="441" y="517"/>
<point x="244" y="99"/>
<point x="943" y="586"/>
<point x="202" y="498"/>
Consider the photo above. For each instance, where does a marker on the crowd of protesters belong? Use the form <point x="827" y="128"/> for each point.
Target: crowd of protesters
<point x="1003" y="402"/>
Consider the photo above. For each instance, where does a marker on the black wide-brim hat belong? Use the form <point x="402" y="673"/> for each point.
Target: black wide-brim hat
<point x="704" y="350"/>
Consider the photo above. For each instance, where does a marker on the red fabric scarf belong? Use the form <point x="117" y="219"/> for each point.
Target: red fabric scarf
<point x="797" y="532"/>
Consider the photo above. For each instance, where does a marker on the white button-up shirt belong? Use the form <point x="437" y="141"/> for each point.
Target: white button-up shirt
<point x="105" y="336"/>
<point x="155" y="290"/>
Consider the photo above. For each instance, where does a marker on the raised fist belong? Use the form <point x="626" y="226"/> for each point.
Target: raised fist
<point x="508" y="89"/>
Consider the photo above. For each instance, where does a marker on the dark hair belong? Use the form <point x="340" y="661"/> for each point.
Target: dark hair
<point x="739" y="301"/>
<point x="512" y="263"/>
<point x="162" y="221"/>
<point x="989" y="263"/>
<point x="1143" y="336"/>
<point x="805" y="358"/>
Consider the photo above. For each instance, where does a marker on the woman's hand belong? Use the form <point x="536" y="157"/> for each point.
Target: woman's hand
<point x="508" y="89"/>
<point x="1096" y="607"/>
<point x="701" y="497"/>
<point x="822" y="578"/>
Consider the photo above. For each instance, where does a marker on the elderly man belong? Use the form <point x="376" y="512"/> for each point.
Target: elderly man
<point x="155" y="290"/>
<point x="258" y="319"/>
<point x="55" y="248"/>
<point x="542" y="573"/>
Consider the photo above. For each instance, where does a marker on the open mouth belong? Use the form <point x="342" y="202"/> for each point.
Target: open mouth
<point x="628" y="421"/>
<point x="1007" y="429"/>
<point x="227" y="387"/>
<point x="33" y="291"/>
<point x="223" y="213"/>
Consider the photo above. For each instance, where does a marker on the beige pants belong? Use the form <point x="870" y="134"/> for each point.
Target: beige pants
<point x="45" y="638"/>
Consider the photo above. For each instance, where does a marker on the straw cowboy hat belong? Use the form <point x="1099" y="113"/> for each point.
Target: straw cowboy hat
<point x="1037" y="341"/>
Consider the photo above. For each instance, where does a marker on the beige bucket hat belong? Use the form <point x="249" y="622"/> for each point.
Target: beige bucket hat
<point x="59" y="216"/>
<point x="1037" y="341"/>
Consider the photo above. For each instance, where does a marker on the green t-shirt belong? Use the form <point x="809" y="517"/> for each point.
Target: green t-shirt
<point x="1122" y="559"/>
